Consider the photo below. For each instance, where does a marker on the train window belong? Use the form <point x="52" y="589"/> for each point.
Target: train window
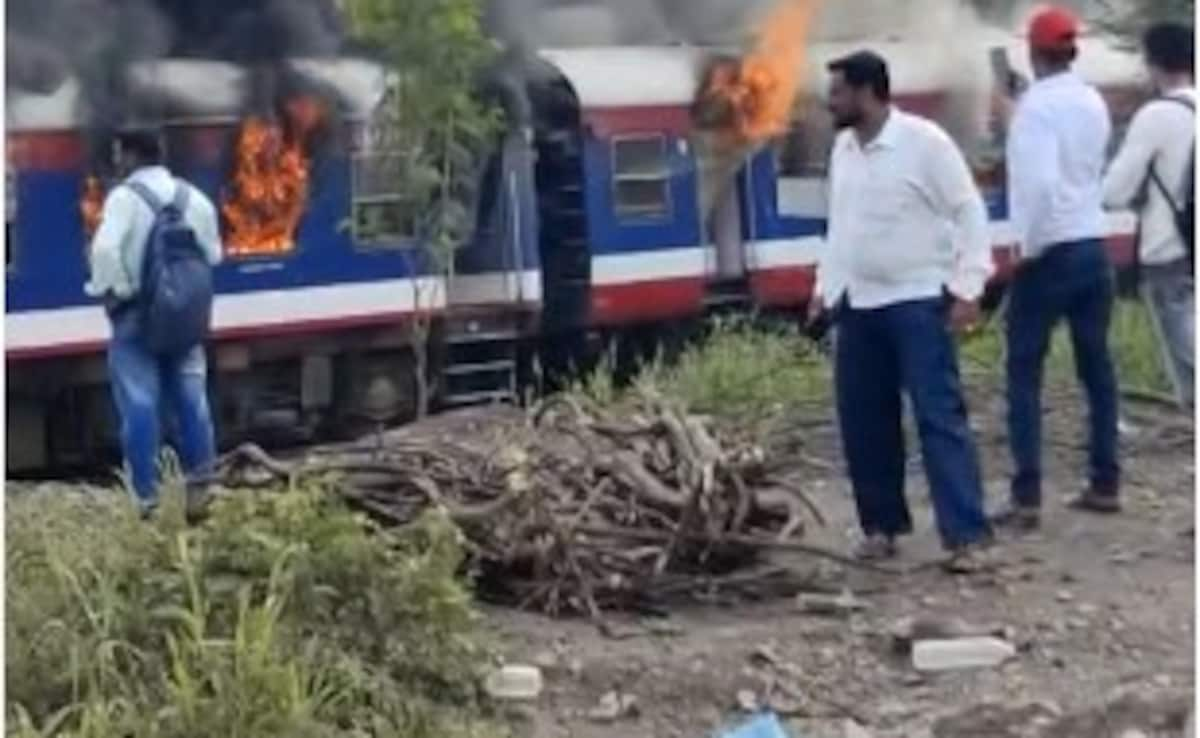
<point x="384" y="212"/>
<point x="10" y="216"/>
<point x="802" y="165"/>
<point x="641" y="178"/>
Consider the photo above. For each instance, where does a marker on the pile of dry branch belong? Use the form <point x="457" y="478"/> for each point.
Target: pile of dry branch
<point x="570" y="508"/>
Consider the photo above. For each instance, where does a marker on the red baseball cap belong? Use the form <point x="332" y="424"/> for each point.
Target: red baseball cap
<point x="1053" y="28"/>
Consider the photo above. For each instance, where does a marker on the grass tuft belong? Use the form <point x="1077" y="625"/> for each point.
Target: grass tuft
<point x="286" y="615"/>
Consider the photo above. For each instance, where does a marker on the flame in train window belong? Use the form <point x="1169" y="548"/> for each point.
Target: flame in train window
<point x="90" y="205"/>
<point x="751" y="99"/>
<point x="269" y="191"/>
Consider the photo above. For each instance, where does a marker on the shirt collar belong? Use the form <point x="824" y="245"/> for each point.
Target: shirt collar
<point x="889" y="134"/>
<point x="154" y="171"/>
<point x="1067" y="76"/>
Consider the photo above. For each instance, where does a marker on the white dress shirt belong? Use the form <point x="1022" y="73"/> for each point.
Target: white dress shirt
<point x="119" y="245"/>
<point x="1162" y="133"/>
<point x="1057" y="147"/>
<point x="906" y="219"/>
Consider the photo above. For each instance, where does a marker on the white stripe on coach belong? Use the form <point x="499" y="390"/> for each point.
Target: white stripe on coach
<point x="781" y="253"/>
<point x="87" y="324"/>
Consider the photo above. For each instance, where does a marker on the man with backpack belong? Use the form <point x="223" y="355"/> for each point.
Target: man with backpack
<point x="151" y="265"/>
<point x="1154" y="172"/>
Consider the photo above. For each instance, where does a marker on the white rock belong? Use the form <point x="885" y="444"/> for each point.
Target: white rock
<point x="1132" y="733"/>
<point x="961" y="653"/>
<point x="840" y="605"/>
<point x="747" y="701"/>
<point x="612" y="707"/>
<point x="515" y="682"/>
<point x="851" y="729"/>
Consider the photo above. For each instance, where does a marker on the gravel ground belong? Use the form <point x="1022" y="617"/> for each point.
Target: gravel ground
<point x="1100" y="610"/>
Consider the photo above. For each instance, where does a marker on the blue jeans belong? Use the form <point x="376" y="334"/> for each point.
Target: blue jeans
<point x="1169" y="291"/>
<point x="143" y="386"/>
<point x="907" y="346"/>
<point x="1072" y="281"/>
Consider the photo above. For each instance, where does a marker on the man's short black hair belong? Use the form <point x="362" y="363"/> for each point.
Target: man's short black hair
<point x="1171" y="47"/>
<point x="144" y="143"/>
<point x="865" y="69"/>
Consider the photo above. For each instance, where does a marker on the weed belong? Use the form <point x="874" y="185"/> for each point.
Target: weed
<point x="286" y="615"/>
<point x="1132" y="341"/>
<point x="744" y="372"/>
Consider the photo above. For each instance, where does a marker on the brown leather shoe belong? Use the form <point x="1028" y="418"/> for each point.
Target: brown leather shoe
<point x="971" y="558"/>
<point x="1020" y="518"/>
<point x="1095" y="502"/>
<point x="876" y="547"/>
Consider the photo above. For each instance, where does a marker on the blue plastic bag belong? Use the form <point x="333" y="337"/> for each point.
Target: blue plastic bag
<point x="765" y="725"/>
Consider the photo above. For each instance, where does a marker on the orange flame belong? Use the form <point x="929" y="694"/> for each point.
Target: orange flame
<point x="270" y="181"/>
<point x="756" y="94"/>
<point x="91" y="204"/>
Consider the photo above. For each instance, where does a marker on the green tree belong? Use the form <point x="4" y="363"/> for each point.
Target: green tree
<point x="434" y="127"/>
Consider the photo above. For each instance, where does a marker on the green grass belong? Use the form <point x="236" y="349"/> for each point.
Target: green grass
<point x="1132" y="341"/>
<point x="753" y="374"/>
<point x="284" y="616"/>
<point x="739" y="371"/>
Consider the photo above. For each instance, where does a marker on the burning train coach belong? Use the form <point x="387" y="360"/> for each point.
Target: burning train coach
<point x="323" y="289"/>
<point x="617" y="198"/>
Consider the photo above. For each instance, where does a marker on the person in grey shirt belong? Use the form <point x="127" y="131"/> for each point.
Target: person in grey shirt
<point x="1150" y="173"/>
<point x="141" y="381"/>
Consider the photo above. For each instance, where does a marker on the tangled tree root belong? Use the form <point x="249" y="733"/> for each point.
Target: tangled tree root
<point x="570" y="508"/>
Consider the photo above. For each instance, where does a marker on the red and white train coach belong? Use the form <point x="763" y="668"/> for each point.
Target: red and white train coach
<point x="636" y="225"/>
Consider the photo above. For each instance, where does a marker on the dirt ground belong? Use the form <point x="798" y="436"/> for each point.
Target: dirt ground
<point x="1100" y="610"/>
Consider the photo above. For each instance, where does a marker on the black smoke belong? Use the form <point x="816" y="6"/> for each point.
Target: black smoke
<point x="96" y="42"/>
<point x="97" y="39"/>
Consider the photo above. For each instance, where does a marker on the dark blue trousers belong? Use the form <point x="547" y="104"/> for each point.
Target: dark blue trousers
<point x="1072" y="281"/>
<point x="909" y="347"/>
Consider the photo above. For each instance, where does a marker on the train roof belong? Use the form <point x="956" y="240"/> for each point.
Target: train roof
<point x="24" y="111"/>
<point x="621" y="77"/>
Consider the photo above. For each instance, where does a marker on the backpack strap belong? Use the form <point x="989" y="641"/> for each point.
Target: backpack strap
<point x="147" y="196"/>
<point x="1189" y="104"/>
<point x="179" y="202"/>
<point x="182" y="193"/>
<point x="1162" y="188"/>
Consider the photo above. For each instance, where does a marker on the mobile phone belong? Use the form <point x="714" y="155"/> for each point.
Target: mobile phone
<point x="1006" y="78"/>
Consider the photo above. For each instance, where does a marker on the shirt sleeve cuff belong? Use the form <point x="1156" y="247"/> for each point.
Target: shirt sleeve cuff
<point x="967" y="287"/>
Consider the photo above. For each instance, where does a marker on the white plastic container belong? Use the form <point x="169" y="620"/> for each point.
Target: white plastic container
<point x="961" y="653"/>
<point x="515" y="682"/>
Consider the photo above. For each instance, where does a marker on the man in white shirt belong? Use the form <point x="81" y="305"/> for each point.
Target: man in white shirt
<point x="142" y="382"/>
<point x="1057" y="148"/>
<point x="906" y="259"/>
<point x="1151" y="172"/>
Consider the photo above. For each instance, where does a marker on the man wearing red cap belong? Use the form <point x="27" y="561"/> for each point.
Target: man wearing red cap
<point x="1056" y="154"/>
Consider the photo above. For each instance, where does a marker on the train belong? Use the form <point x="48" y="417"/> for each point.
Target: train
<point x="594" y="219"/>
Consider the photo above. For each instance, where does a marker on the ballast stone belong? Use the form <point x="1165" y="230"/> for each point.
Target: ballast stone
<point x="961" y="653"/>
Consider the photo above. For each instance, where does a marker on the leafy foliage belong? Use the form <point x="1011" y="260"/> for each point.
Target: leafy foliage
<point x="286" y="615"/>
<point x="432" y="117"/>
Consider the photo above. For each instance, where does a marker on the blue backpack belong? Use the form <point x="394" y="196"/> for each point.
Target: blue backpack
<point x="175" y="300"/>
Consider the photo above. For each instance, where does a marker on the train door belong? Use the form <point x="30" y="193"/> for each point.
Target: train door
<point x="724" y="226"/>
